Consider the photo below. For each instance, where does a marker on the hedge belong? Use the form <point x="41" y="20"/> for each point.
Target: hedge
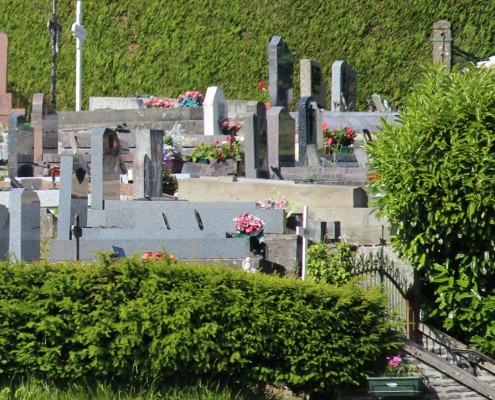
<point x="142" y="322"/>
<point x="164" y="48"/>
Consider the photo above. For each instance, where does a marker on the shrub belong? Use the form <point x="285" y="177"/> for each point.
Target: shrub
<point x="141" y="322"/>
<point x="330" y="266"/>
<point x="434" y="183"/>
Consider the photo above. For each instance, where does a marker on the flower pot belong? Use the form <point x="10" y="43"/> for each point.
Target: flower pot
<point x="203" y="161"/>
<point x="404" y="386"/>
<point x="174" y="165"/>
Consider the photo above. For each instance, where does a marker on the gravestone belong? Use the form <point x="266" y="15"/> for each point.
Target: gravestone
<point x="312" y="81"/>
<point x="20" y="140"/>
<point x="442" y="44"/>
<point x="105" y="167"/>
<point x="281" y="132"/>
<point x="308" y="126"/>
<point x="281" y="73"/>
<point x="215" y="109"/>
<point x="148" y="164"/>
<point x="73" y="196"/>
<point x="5" y="98"/>
<point x="255" y="144"/>
<point x="344" y="82"/>
<point x="4" y="232"/>
<point x="37" y="124"/>
<point x="377" y="101"/>
<point x="24" y="238"/>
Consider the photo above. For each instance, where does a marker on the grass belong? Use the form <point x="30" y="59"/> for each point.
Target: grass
<point x="32" y="389"/>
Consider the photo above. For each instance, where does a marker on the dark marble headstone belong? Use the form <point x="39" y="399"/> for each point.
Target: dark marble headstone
<point x="24" y="240"/>
<point x="307" y="126"/>
<point x="281" y="132"/>
<point x="4" y="232"/>
<point x="255" y="143"/>
<point x="73" y="197"/>
<point x="105" y="167"/>
<point x="20" y="139"/>
<point x="344" y="87"/>
<point x="281" y="72"/>
<point x="148" y="164"/>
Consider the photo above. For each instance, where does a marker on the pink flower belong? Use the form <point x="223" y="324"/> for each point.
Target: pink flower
<point x="324" y="125"/>
<point x="329" y="141"/>
<point x="229" y="138"/>
<point x="146" y="255"/>
<point x="261" y="85"/>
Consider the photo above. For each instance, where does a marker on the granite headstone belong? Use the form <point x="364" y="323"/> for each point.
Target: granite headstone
<point x="255" y="144"/>
<point x="148" y="164"/>
<point x="281" y="72"/>
<point x="344" y="82"/>
<point x="4" y="232"/>
<point x="24" y="209"/>
<point x="73" y="196"/>
<point x="105" y="167"/>
<point x="281" y="132"/>
<point x="307" y="126"/>
<point x="312" y="81"/>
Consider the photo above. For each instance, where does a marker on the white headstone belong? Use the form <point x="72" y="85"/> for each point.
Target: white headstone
<point x="214" y="109"/>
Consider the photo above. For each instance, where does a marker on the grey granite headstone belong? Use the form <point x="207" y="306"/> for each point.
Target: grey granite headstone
<point x="73" y="196"/>
<point x="148" y="164"/>
<point x="20" y="142"/>
<point x="344" y="82"/>
<point x="255" y="144"/>
<point x="442" y="43"/>
<point x="4" y="232"/>
<point x="24" y="240"/>
<point x="307" y="126"/>
<point x="281" y="132"/>
<point x="105" y="167"/>
<point x="281" y="72"/>
<point x="312" y="81"/>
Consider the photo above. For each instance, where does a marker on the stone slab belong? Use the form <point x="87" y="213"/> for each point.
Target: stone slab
<point x="188" y="250"/>
<point x="256" y="190"/>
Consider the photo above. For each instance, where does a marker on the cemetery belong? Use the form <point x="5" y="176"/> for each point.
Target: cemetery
<point x="89" y="185"/>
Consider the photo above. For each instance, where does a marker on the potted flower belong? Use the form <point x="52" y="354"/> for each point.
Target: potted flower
<point x="401" y="378"/>
<point x="156" y="102"/>
<point x="230" y="148"/>
<point x="249" y="226"/>
<point x="203" y="153"/>
<point x="338" y="140"/>
<point x="229" y="126"/>
<point x="191" y="98"/>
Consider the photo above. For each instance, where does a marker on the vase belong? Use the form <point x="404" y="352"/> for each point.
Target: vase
<point x="256" y="241"/>
<point x="404" y="386"/>
<point x="173" y="164"/>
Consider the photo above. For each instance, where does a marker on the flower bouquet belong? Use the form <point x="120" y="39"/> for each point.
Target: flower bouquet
<point x="248" y="224"/>
<point x="191" y="98"/>
<point x="159" y="256"/>
<point x="337" y="139"/>
<point x="229" y="126"/>
<point x="155" y="102"/>
<point x="278" y="202"/>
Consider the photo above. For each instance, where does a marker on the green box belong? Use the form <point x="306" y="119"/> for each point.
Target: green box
<point x="405" y="386"/>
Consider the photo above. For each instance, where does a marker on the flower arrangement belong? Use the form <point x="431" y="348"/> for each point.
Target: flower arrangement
<point x="172" y="143"/>
<point x="231" y="147"/>
<point x="248" y="224"/>
<point x="278" y="202"/>
<point x="160" y="255"/>
<point x="155" y="102"/>
<point x="191" y="98"/>
<point x="229" y="126"/>
<point x="264" y="90"/>
<point x="397" y="366"/>
<point x="335" y="139"/>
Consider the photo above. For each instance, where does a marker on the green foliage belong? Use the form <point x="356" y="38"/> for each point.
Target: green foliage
<point x="330" y="266"/>
<point x="144" y="322"/>
<point x="169" y="180"/>
<point x="435" y="185"/>
<point x="162" y="49"/>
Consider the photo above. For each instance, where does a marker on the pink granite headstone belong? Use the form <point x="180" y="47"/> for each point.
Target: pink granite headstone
<point x="5" y="98"/>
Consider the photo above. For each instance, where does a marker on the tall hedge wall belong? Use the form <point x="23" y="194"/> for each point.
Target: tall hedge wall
<point x="166" y="47"/>
<point x="141" y="322"/>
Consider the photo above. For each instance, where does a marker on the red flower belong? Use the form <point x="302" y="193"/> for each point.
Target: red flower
<point x="261" y="85"/>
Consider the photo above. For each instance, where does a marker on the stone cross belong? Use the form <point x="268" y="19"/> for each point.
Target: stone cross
<point x="5" y="98"/>
<point x="79" y="33"/>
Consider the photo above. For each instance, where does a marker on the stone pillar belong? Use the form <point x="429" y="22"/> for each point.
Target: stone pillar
<point x="442" y="43"/>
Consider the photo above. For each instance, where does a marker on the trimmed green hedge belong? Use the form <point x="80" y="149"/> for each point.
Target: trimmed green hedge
<point x="144" y="322"/>
<point x="167" y="47"/>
